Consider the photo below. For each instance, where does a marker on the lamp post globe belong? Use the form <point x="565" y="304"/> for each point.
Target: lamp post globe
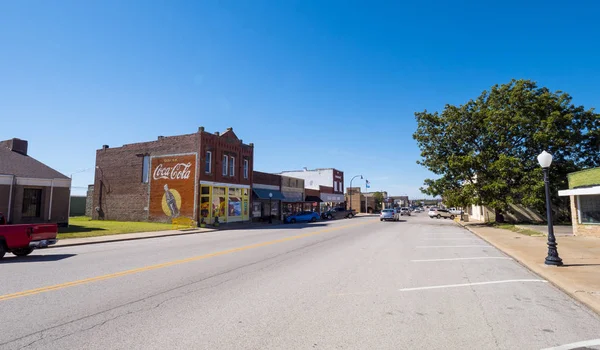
<point x="545" y="160"/>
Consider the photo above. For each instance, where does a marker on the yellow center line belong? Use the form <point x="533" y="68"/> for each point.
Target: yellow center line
<point x="167" y="264"/>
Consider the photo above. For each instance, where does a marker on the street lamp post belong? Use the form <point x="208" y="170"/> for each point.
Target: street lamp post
<point x="361" y="177"/>
<point x="270" y="208"/>
<point x="545" y="159"/>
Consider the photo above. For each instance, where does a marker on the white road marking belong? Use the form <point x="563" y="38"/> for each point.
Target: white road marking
<point x="451" y="246"/>
<point x="468" y="285"/>
<point x="577" y="345"/>
<point x="476" y="258"/>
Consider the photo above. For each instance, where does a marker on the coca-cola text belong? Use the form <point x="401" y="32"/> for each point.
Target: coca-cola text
<point x="180" y="171"/>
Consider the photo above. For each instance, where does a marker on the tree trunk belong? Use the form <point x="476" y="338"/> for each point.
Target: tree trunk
<point x="499" y="216"/>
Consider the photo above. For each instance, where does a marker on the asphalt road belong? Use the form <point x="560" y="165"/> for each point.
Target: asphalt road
<point x="348" y="284"/>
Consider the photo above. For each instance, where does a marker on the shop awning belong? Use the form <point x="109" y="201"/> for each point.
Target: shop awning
<point x="313" y="199"/>
<point x="263" y="193"/>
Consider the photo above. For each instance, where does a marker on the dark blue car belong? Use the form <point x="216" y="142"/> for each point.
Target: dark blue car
<point x="303" y="216"/>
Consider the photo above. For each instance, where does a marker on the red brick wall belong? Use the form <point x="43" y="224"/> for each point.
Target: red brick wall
<point x="310" y="192"/>
<point x="118" y="188"/>
<point x="266" y="179"/>
<point x="326" y="189"/>
<point x="226" y="144"/>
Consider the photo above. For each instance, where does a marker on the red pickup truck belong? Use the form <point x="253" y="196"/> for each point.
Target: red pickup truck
<point x="21" y="240"/>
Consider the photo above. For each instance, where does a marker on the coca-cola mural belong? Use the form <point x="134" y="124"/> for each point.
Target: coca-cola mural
<point x="172" y="186"/>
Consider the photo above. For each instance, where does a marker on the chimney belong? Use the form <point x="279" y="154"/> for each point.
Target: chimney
<point x="201" y="129"/>
<point x="217" y="133"/>
<point x="251" y="144"/>
<point x="229" y="129"/>
<point x="18" y="145"/>
<point x="104" y="146"/>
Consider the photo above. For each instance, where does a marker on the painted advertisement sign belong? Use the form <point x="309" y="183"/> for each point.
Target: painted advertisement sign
<point x="172" y="186"/>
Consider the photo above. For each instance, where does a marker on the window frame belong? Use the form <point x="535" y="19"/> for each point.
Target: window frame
<point x="231" y="166"/>
<point x="145" y="169"/>
<point x="208" y="161"/>
<point x="580" y="212"/>
<point x="225" y="165"/>
<point x="246" y="168"/>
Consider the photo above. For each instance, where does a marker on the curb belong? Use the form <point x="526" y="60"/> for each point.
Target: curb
<point x="592" y="307"/>
<point x="123" y="239"/>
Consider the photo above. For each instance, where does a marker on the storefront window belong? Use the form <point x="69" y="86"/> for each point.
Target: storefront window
<point x="204" y="206"/>
<point x="235" y="202"/>
<point x="205" y="190"/>
<point x="256" y="209"/>
<point x="589" y="207"/>
<point x="219" y="201"/>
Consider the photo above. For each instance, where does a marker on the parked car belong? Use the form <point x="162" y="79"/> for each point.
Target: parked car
<point x="455" y="211"/>
<point x="404" y="211"/>
<point x="338" y="213"/>
<point x="21" y="240"/>
<point x="303" y="216"/>
<point x="418" y="210"/>
<point x="440" y="213"/>
<point x="389" y="215"/>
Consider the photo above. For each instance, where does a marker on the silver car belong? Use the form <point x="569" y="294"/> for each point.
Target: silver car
<point x="404" y="211"/>
<point x="389" y="215"/>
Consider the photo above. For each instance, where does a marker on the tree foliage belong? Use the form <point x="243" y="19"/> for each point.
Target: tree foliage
<point x="485" y="151"/>
<point x="378" y="199"/>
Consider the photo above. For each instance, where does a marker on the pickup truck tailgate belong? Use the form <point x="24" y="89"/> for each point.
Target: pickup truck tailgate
<point x="43" y="231"/>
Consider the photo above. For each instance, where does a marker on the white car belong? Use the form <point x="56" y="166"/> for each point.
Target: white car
<point x="440" y="213"/>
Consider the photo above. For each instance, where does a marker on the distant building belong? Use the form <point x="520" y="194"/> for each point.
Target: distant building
<point x="584" y="192"/>
<point x="363" y="202"/>
<point x="328" y="181"/>
<point x="30" y="191"/>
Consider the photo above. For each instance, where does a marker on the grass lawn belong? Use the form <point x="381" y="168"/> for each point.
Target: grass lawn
<point x="82" y="226"/>
<point x="513" y="228"/>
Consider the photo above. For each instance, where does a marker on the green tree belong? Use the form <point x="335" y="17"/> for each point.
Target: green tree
<point x="378" y="199"/>
<point x="485" y="151"/>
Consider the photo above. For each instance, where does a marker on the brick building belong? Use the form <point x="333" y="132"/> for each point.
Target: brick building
<point x="199" y="176"/>
<point x="30" y="191"/>
<point x="584" y="192"/>
<point x="363" y="202"/>
<point x="266" y="195"/>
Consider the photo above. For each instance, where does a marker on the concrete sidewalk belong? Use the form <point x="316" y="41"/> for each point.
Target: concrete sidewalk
<point x="67" y="242"/>
<point x="580" y="275"/>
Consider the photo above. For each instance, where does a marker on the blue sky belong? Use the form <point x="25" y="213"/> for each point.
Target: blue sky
<point x="311" y="83"/>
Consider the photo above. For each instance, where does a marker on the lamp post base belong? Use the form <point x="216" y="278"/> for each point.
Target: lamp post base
<point x="553" y="258"/>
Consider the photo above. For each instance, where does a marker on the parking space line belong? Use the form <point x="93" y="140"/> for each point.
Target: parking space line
<point x="469" y="284"/>
<point x="475" y="258"/>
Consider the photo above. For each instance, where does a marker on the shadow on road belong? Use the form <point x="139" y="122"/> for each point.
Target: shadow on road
<point x="575" y="265"/>
<point x="35" y="258"/>
<point x="278" y="225"/>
